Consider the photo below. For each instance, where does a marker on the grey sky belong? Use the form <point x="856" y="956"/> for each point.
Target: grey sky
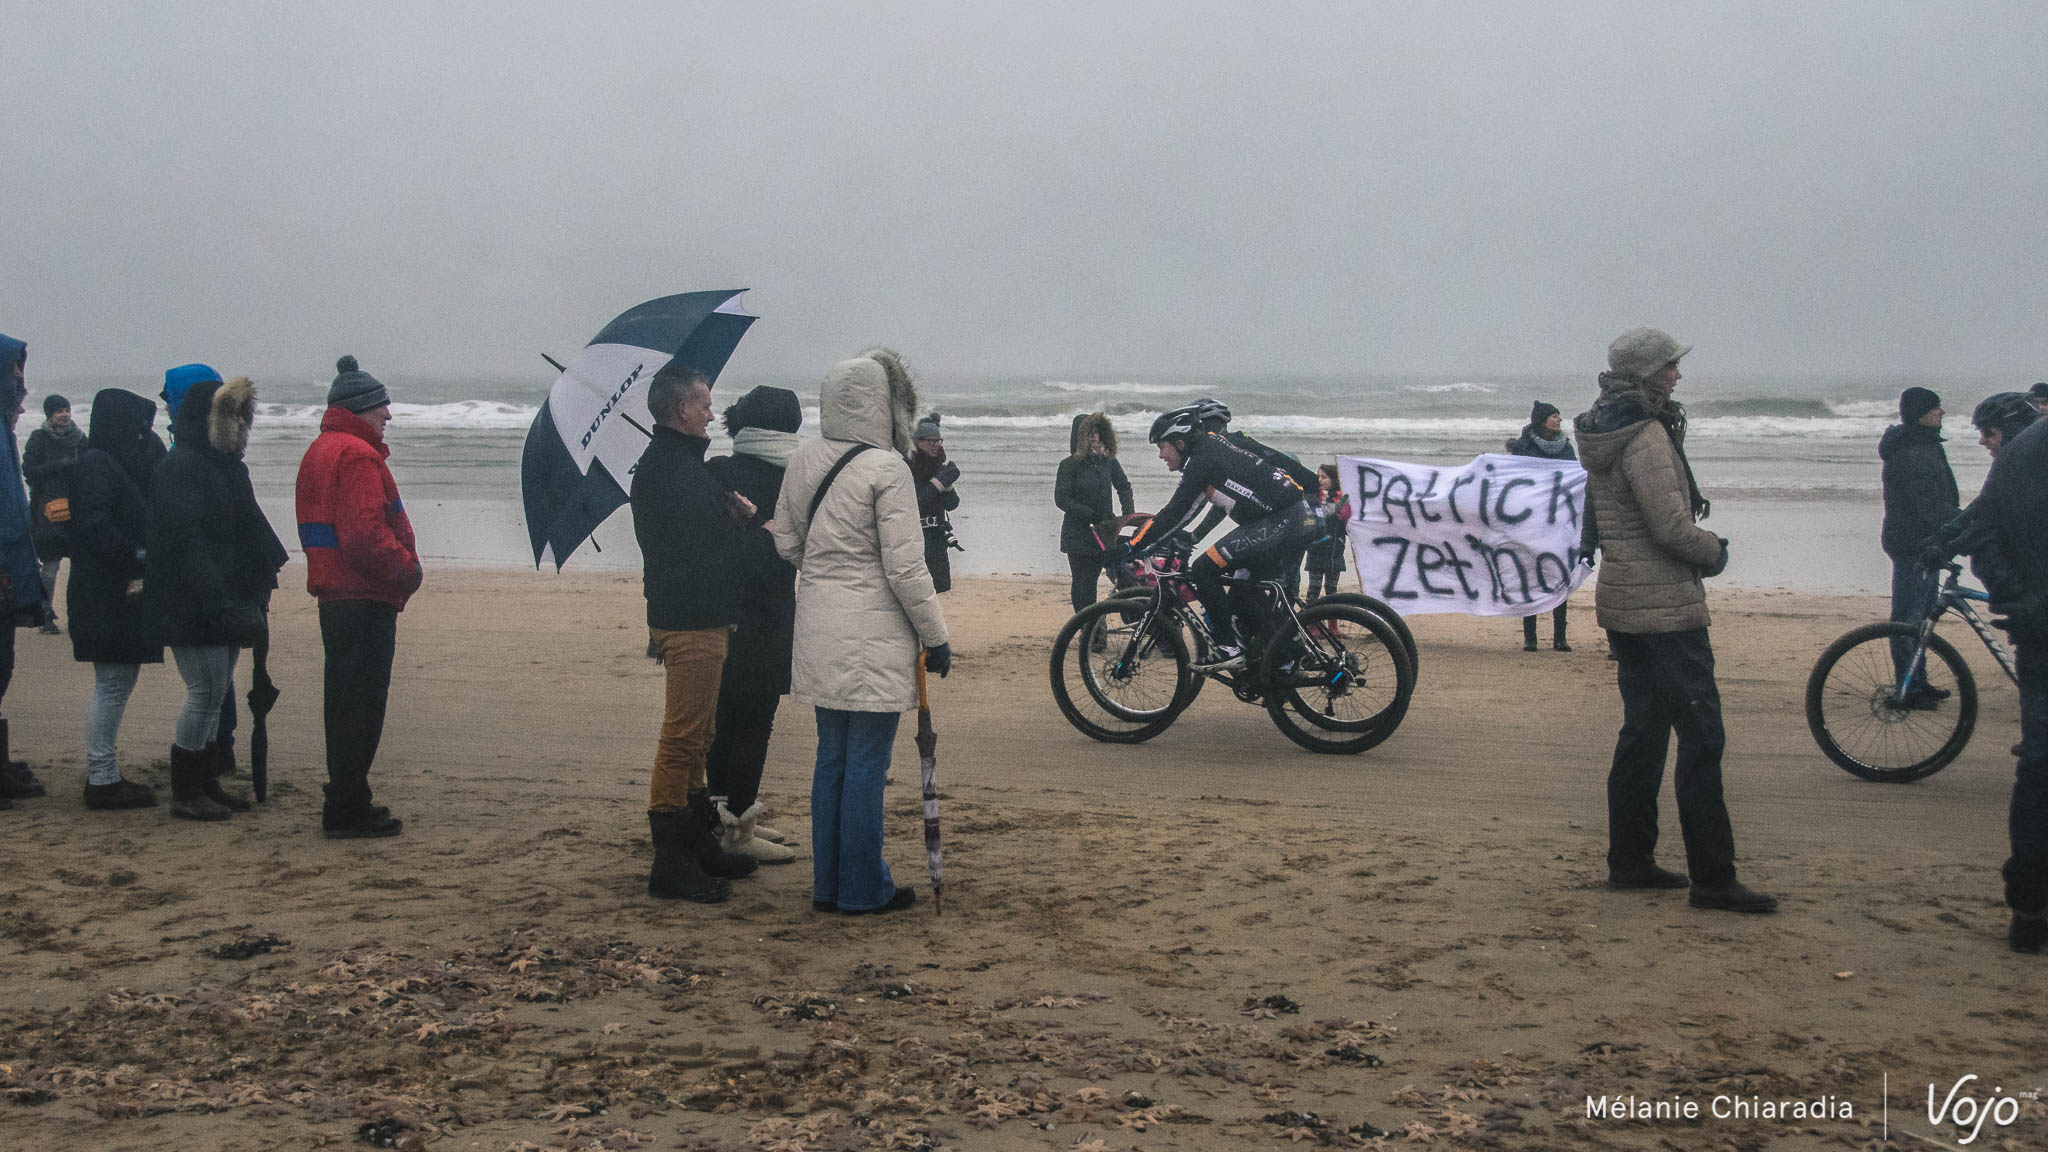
<point x="1034" y="188"/>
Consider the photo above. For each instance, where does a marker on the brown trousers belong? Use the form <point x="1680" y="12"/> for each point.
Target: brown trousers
<point x="694" y="660"/>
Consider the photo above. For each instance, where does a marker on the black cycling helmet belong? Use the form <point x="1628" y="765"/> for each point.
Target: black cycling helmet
<point x="1212" y="415"/>
<point x="2008" y="412"/>
<point x="1178" y="424"/>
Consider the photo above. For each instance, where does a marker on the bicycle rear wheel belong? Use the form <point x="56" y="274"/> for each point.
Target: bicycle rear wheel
<point x="1342" y="684"/>
<point x="1134" y="687"/>
<point x="1853" y="710"/>
<point x="1387" y="615"/>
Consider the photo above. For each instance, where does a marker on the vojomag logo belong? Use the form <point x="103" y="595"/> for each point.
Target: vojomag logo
<point x="1965" y="1112"/>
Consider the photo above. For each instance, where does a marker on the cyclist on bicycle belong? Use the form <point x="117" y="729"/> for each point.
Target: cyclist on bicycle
<point x="1238" y="476"/>
<point x="1214" y="416"/>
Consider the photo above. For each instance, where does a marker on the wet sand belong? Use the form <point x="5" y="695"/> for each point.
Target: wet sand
<point x="1210" y="940"/>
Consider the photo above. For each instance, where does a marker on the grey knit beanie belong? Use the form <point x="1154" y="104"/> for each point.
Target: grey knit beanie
<point x="1639" y="352"/>
<point x="355" y="389"/>
<point x="928" y="428"/>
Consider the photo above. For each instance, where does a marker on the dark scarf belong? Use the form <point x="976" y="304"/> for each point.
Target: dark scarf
<point x="70" y="437"/>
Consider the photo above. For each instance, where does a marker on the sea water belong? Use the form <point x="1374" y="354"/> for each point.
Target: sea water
<point x="1790" y="463"/>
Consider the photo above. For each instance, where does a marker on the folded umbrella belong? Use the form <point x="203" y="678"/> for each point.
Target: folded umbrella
<point x="928" y="768"/>
<point x="263" y="696"/>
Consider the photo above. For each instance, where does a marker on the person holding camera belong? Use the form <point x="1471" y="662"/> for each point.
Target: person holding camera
<point x="935" y="476"/>
<point x="207" y="578"/>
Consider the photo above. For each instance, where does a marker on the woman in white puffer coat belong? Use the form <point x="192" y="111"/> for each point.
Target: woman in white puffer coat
<point x="864" y="608"/>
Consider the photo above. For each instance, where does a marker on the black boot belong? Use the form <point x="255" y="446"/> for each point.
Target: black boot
<point x="704" y="842"/>
<point x="1528" y="633"/>
<point x="224" y="759"/>
<point x="676" y="874"/>
<point x="215" y="755"/>
<point x="16" y="781"/>
<point x="188" y="798"/>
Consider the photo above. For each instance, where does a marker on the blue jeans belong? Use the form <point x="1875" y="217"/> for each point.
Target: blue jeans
<point x="111" y="687"/>
<point x="2026" y="872"/>
<point x="846" y="809"/>
<point x="1913" y="591"/>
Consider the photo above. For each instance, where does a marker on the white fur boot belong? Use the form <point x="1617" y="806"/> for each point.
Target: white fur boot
<point x="742" y="835"/>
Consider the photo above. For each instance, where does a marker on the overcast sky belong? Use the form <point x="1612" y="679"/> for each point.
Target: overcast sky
<point x="1064" y="189"/>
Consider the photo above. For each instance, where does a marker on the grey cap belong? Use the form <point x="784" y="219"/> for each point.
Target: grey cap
<point x="1640" y="352"/>
<point x="355" y="389"/>
<point x="928" y="428"/>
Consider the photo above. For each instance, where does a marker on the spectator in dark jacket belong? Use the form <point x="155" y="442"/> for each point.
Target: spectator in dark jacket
<point x="1543" y="437"/>
<point x="110" y="537"/>
<point x="22" y="602"/>
<point x="212" y="564"/>
<point x="1082" y="490"/>
<point x="1325" y="558"/>
<point x="1919" y="497"/>
<point x="935" y="476"/>
<point x="362" y="566"/>
<point x="46" y="463"/>
<point x="763" y="427"/>
<point x="691" y="542"/>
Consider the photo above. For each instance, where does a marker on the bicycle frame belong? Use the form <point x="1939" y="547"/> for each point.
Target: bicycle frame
<point x="1956" y="598"/>
<point x="1168" y="602"/>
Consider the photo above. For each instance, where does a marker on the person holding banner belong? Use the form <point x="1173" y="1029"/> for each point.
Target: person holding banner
<point x="1275" y="523"/>
<point x="1652" y="599"/>
<point x="1543" y="438"/>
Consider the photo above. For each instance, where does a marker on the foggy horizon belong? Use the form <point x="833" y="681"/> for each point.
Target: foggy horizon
<point x="1063" y="191"/>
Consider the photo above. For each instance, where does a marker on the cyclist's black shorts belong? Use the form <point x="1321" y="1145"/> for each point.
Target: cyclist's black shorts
<point x="1265" y="546"/>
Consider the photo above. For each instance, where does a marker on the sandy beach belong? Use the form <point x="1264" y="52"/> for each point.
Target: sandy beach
<point x="1210" y="940"/>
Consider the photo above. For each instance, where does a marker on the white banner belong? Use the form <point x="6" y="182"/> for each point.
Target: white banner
<point x="1498" y="537"/>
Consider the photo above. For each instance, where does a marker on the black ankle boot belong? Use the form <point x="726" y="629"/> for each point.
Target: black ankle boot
<point x="188" y="798"/>
<point x="215" y="755"/>
<point x="16" y="781"/>
<point x="676" y="875"/>
<point x="710" y="856"/>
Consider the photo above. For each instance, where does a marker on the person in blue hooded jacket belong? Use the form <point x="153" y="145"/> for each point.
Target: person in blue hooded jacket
<point x="22" y="603"/>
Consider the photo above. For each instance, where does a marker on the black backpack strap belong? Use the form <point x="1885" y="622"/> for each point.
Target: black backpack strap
<point x="818" y="497"/>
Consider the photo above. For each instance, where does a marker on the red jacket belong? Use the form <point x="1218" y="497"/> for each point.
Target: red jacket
<point x="358" y="542"/>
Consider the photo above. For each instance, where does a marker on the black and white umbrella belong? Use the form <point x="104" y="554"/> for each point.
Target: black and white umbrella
<point x="584" y="442"/>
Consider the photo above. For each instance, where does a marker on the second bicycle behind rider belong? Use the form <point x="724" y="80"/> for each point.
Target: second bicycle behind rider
<point x="1242" y="478"/>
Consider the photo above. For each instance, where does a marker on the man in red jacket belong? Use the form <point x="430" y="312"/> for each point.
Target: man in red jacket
<point x="362" y="566"/>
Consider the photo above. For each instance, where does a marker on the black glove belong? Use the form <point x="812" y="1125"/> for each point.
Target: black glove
<point x="1718" y="566"/>
<point x="938" y="660"/>
<point x="1934" y="555"/>
<point x="948" y="472"/>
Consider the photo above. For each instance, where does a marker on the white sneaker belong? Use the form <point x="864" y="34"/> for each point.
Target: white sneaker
<point x="1226" y="658"/>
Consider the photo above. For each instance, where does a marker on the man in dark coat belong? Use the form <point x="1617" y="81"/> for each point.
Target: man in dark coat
<point x="46" y="463"/>
<point x="212" y="564"/>
<point x="109" y="538"/>
<point x="691" y="541"/>
<point x="22" y="602"/>
<point x="763" y="427"/>
<point x="1082" y="490"/>
<point x="1919" y="497"/>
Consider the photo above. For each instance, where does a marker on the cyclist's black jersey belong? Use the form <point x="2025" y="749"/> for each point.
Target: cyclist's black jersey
<point x="1233" y="473"/>
<point x="1302" y="474"/>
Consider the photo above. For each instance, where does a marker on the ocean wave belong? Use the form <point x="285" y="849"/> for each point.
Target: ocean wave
<point x="1761" y="406"/>
<point x="1461" y="386"/>
<point x="1133" y="389"/>
<point x="461" y="414"/>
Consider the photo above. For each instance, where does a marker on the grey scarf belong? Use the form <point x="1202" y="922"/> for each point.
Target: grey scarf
<point x="766" y="444"/>
<point x="70" y="436"/>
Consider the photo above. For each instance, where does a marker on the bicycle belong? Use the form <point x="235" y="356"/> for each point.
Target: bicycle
<point x="1333" y="675"/>
<point x="1889" y="728"/>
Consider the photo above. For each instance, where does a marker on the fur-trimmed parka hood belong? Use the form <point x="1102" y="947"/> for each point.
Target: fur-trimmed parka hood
<point x="1098" y="423"/>
<point x="217" y="416"/>
<point x="869" y="399"/>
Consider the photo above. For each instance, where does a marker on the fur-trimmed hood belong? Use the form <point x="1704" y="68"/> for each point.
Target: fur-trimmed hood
<point x="1098" y="423"/>
<point x="870" y="399"/>
<point x="217" y="416"/>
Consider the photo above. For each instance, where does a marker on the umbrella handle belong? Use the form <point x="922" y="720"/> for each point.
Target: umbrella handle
<point x="923" y="701"/>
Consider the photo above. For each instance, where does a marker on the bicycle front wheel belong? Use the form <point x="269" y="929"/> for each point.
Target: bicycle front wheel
<point x="1116" y="684"/>
<point x="1857" y="718"/>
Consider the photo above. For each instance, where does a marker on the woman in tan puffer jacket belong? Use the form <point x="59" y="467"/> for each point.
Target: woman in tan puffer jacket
<point x="864" y="608"/>
<point x="1642" y="504"/>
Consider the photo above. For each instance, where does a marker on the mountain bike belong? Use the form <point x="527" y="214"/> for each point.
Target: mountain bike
<point x="1882" y="726"/>
<point x="1333" y="675"/>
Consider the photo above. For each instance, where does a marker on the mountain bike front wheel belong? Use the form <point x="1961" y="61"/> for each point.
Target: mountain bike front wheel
<point x="1116" y="684"/>
<point x="1857" y="718"/>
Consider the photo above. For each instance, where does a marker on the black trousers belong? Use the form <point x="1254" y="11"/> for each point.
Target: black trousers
<point x="2026" y="872"/>
<point x="361" y="638"/>
<point x="1557" y="616"/>
<point x="1086" y="569"/>
<point x="1667" y="685"/>
<point x="6" y="652"/>
<point x="739" y="747"/>
<point x="938" y="559"/>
